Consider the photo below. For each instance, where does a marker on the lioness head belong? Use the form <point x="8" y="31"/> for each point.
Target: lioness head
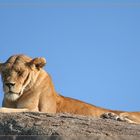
<point x="18" y="74"/>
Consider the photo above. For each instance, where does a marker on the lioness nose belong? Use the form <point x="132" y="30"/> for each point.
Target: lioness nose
<point x="10" y="84"/>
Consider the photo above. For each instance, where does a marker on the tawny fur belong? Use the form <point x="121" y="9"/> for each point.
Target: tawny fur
<point x="35" y="91"/>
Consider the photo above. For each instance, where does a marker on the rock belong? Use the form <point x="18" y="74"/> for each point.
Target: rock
<point x="41" y="126"/>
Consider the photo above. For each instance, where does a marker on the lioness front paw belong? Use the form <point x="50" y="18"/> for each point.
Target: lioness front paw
<point x="3" y="110"/>
<point x="113" y="116"/>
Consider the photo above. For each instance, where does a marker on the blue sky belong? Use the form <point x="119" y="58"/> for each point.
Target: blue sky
<point x="92" y="47"/>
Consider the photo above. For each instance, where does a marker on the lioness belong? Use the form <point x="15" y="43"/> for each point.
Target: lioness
<point x="28" y="87"/>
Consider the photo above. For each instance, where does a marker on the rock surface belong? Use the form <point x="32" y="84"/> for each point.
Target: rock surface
<point x="64" y="126"/>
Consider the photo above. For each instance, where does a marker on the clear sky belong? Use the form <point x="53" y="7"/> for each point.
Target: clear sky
<point x="92" y="47"/>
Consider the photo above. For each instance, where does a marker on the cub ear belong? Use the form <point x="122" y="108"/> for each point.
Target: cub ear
<point x="38" y="62"/>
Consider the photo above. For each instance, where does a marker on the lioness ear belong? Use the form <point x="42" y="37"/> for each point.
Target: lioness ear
<point x="38" y="62"/>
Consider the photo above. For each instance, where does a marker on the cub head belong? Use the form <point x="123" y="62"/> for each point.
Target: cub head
<point x="19" y="73"/>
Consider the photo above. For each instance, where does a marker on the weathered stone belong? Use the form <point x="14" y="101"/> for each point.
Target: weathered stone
<point x="64" y="126"/>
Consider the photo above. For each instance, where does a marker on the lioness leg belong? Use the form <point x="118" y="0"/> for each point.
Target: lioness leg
<point x="125" y="117"/>
<point x="11" y="110"/>
<point x="131" y="117"/>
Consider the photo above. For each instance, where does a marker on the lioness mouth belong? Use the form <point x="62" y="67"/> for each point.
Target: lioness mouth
<point x="11" y="92"/>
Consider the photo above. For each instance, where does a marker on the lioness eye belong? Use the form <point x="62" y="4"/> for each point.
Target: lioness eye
<point x="19" y="72"/>
<point x="4" y="74"/>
